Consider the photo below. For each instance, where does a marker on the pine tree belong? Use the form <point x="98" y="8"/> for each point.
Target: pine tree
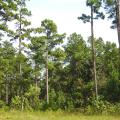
<point x="94" y="6"/>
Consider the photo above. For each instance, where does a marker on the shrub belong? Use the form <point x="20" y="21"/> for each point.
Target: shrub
<point x="2" y="104"/>
<point x="32" y="98"/>
<point x="16" y="102"/>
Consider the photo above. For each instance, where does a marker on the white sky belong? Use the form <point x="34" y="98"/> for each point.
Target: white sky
<point x="64" y="13"/>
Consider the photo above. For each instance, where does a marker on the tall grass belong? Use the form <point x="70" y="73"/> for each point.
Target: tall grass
<point x="50" y="115"/>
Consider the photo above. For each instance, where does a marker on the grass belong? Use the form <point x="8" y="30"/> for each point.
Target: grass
<point x="49" y="115"/>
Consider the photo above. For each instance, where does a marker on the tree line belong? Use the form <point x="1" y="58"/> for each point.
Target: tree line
<point x="38" y="71"/>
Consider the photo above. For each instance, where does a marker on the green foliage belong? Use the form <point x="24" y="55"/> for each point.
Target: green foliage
<point x="30" y="100"/>
<point x="2" y="104"/>
<point x="112" y="90"/>
<point x="111" y="7"/>
<point x="16" y="102"/>
<point x="22" y="70"/>
<point x="96" y="4"/>
<point x="57" y="100"/>
<point x="102" y="107"/>
<point x="32" y="96"/>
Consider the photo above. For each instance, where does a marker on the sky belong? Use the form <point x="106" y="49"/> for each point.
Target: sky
<point x="64" y="13"/>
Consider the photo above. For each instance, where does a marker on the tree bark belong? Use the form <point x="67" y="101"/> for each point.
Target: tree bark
<point x="6" y="89"/>
<point x="20" y="66"/>
<point x="93" y="53"/>
<point x="36" y="76"/>
<point x="20" y="71"/>
<point x="118" y="28"/>
<point x="47" y="86"/>
<point x="47" y="94"/>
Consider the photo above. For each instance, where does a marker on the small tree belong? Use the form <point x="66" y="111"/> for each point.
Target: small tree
<point x="51" y="39"/>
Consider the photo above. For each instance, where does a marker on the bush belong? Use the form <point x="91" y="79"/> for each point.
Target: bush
<point x="98" y="106"/>
<point x="16" y="102"/>
<point x="2" y="104"/>
<point x="112" y="91"/>
<point x="32" y="98"/>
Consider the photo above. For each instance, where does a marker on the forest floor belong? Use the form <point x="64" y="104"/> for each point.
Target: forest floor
<point x="17" y="115"/>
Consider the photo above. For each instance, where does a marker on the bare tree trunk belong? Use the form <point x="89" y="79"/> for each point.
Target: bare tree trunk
<point x="36" y="77"/>
<point x="93" y="52"/>
<point x="0" y="92"/>
<point x="6" y="89"/>
<point x="118" y="28"/>
<point x="20" y="71"/>
<point x="47" y="86"/>
<point x="36" y="82"/>
<point x="20" y="66"/>
<point x="22" y="99"/>
<point x="47" y="92"/>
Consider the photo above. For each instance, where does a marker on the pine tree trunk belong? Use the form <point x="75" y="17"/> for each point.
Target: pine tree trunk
<point x="20" y="66"/>
<point x="47" y="86"/>
<point x="93" y="53"/>
<point x="36" y="77"/>
<point x="20" y="71"/>
<point x="6" y="89"/>
<point x="36" y="82"/>
<point x="118" y="29"/>
<point x="47" y="94"/>
<point x="22" y="99"/>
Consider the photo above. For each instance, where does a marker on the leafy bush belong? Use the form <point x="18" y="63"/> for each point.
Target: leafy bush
<point x="16" y="102"/>
<point x="97" y="106"/>
<point x="2" y="104"/>
<point x="58" y="101"/>
<point x="112" y="91"/>
<point x="32" y="98"/>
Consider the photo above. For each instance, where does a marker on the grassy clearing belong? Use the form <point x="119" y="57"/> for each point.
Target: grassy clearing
<point x="17" y="115"/>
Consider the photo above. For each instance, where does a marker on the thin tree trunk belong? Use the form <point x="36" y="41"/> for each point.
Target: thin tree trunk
<point x="36" y="77"/>
<point x="93" y="53"/>
<point x="22" y="99"/>
<point x="20" y="66"/>
<point x="6" y="89"/>
<point x="47" y="86"/>
<point x="20" y="71"/>
<point x="0" y="92"/>
<point x="47" y="94"/>
<point x="118" y="28"/>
